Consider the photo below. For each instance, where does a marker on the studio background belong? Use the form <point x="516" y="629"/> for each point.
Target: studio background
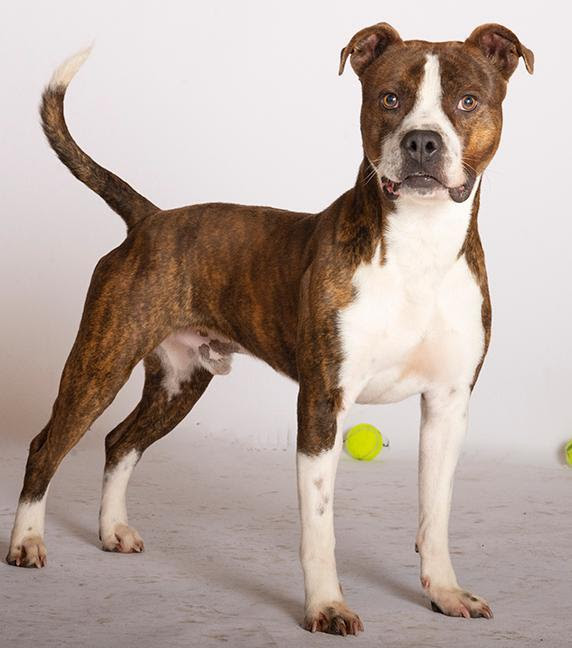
<point x="240" y="101"/>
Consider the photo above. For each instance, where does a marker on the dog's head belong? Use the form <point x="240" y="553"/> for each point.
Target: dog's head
<point x="431" y="115"/>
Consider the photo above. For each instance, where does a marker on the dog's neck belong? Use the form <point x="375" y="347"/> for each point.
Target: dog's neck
<point x="446" y="228"/>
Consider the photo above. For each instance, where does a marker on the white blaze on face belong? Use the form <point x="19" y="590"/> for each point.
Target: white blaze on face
<point x="427" y="114"/>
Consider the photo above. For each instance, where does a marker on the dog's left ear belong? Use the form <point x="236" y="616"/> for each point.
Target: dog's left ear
<point x="367" y="45"/>
<point x="502" y="48"/>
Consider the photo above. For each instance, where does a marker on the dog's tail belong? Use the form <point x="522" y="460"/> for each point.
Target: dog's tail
<point x="122" y="198"/>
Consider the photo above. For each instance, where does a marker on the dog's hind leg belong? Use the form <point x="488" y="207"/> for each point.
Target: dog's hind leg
<point x="113" y="336"/>
<point x="161" y="408"/>
<point x="86" y="389"/>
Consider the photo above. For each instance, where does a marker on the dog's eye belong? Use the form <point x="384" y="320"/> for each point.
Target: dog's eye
<point x="390" y="101"/>
<point x="468" y="103"/>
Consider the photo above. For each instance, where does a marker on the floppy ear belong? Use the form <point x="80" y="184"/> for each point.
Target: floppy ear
<point x="502" y="48"/>
<point x="367" y="45"/>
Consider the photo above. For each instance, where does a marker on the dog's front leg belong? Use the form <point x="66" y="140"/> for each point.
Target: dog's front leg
<point x="443" y="427"/>
<point x="319" y="445"/>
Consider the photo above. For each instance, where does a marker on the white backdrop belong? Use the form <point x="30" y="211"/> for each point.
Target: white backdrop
<point x="240" y="101"/>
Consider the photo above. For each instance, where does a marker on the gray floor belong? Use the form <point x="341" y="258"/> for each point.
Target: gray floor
<point x="220" y="567"/>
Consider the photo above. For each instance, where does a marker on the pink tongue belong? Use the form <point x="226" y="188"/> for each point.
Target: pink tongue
<point x="392" y="188"/>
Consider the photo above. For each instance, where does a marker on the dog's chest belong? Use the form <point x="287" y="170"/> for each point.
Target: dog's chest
<point x="415" y="322"/>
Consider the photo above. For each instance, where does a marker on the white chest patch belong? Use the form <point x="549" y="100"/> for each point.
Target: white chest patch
<point x="416" y="320"/>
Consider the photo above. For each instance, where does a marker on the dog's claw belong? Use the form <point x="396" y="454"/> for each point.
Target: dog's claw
<point x="338" y="626"/>
<point x="357" y="626"/>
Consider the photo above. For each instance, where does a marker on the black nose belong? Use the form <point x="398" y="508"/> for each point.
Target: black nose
<point x="421" y="145"/>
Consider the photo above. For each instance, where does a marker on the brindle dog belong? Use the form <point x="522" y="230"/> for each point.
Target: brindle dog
<point x="380" y="296"/>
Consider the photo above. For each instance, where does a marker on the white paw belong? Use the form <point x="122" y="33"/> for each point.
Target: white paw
<point x="333" y="618"/>
<point x="28" y="552"/>
<point x="123" y="539"/>
<point x="458" y="602"/>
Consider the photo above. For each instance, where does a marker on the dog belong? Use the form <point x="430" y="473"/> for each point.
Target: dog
<point x="381" y="296"/>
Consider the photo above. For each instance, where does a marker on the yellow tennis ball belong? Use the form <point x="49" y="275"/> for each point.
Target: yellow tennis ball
<point x="568" y="452"/>
<point x="364" y="442"/>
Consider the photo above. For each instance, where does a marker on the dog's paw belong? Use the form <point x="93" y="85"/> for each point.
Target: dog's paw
<point x="333" y="618"/>
<point x="123" y="539"/>
<point x="28" y="552"/>
<point x="459" y="603"/>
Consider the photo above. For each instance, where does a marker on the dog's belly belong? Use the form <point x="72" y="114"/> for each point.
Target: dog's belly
<point x="406" y="335"/>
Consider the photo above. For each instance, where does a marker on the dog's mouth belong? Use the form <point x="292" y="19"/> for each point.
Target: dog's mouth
<point x="424" y="185"/>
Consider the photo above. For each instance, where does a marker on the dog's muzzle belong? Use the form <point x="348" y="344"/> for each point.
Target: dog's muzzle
<point x="422" y="169"/>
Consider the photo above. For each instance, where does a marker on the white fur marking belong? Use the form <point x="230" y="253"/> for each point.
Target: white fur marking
<point x="443" y="427"/>
<point x="29" y="521"/>
<point x="416" y="319"/>
<point x="316" y="477"/>
<point x="63" y="75"/>
<point x="113" y="509"/>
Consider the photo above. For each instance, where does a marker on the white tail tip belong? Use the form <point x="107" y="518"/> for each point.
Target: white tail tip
<point x="66" y="71"/>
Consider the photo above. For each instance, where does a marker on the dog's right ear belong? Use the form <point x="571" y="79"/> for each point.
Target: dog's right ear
<point x="367" y="45"/>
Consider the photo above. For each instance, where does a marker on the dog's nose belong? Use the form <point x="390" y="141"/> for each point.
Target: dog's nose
<point x="421" y="145"/>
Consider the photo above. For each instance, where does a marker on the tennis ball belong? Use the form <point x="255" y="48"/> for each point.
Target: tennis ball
<point x="568" y="452"/>
<point x="363" y="442"/>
